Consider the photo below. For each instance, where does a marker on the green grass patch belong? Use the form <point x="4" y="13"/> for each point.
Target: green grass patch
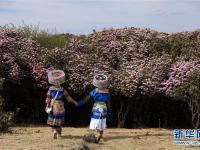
<point x="46" y="38"/>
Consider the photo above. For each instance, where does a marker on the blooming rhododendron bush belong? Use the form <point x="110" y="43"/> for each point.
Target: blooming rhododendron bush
<point x="189" y="91"/>
<point x="19" y="57"/>
<point x="22" y="69"/>
<point x="139" y="62"/>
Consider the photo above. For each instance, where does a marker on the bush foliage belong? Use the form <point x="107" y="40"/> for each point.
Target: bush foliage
<point x="6" y="119"/>
<point x="189" y="91"/>
<point x="138" y="61"/>
<point x="44" y="37"/>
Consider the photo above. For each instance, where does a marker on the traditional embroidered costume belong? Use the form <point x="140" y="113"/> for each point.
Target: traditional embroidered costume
<point x="56" y="117"/>
<point x="55" y="101"/>
<point x="99" y="111"/>
<point x="101" y="108"/>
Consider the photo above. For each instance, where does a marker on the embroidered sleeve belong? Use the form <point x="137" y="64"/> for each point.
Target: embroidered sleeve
<point x="48" y="92"/>
<point x="92" y="93"/>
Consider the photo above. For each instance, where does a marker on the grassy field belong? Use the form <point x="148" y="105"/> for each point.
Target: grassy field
<point x="40" y="138"/>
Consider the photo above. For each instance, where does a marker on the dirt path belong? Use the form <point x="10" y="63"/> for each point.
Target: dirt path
<point x="40" y="138"/>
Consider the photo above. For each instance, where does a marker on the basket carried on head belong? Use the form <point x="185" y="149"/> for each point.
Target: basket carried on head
<point x="100" y="81"/>
<point x="56" y="77"/>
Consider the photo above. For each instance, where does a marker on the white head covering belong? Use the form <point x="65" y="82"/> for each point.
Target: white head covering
<point x="100" y="81"/>
<point x="56" y="77"/>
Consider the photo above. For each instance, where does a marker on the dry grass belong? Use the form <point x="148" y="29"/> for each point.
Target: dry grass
<point x="40" y="138"/>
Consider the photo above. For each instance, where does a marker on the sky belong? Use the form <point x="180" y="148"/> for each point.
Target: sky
<point x="82" y="16"/>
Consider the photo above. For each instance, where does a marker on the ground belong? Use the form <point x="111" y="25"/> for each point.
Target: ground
<point x="40" y="138"/>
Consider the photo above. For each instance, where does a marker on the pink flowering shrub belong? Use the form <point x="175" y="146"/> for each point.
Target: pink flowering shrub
<point x="189" y="91"/>
<point x="179" y="72"/>
<point x="137" y="61"/>
<point x="123" y="54"/>
<point x="19" y="56"/>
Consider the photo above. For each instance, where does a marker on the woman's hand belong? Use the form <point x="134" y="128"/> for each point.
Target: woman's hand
<point x="48" y="101"/>
<point x="80" y="103"/>
<point x="76" y="103"/>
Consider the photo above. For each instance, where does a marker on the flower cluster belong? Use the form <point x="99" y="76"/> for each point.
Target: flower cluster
<point x="179" y="72"/>
<point x="125" y="55"/>
<point x="19" y="56"/>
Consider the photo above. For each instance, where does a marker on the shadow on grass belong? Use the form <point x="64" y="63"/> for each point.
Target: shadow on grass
<point x="71" y="137"/>
<point x="107" y="138"/>
<point x="78" y="137"/>
<point x="192" y="147"/>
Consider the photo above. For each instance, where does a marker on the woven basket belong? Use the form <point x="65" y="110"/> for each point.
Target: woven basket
<point x="100" y="81"/>
<point x="56" y="77"/>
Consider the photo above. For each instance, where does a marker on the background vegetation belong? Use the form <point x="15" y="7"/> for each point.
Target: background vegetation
<point x="154" y="76"/>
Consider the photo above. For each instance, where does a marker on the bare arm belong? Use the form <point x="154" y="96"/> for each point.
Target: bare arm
<point x="69" y="98"/>
<point x="48" y="99"/>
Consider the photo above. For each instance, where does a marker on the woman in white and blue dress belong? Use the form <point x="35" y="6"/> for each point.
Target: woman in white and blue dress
<point x="101" y="108"/>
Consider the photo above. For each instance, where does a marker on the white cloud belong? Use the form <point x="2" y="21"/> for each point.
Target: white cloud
<point x="81" y="16"/>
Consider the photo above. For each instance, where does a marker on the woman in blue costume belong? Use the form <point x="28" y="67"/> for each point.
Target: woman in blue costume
<point x="55" y="104"/>
<point x="101" y="108"/>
